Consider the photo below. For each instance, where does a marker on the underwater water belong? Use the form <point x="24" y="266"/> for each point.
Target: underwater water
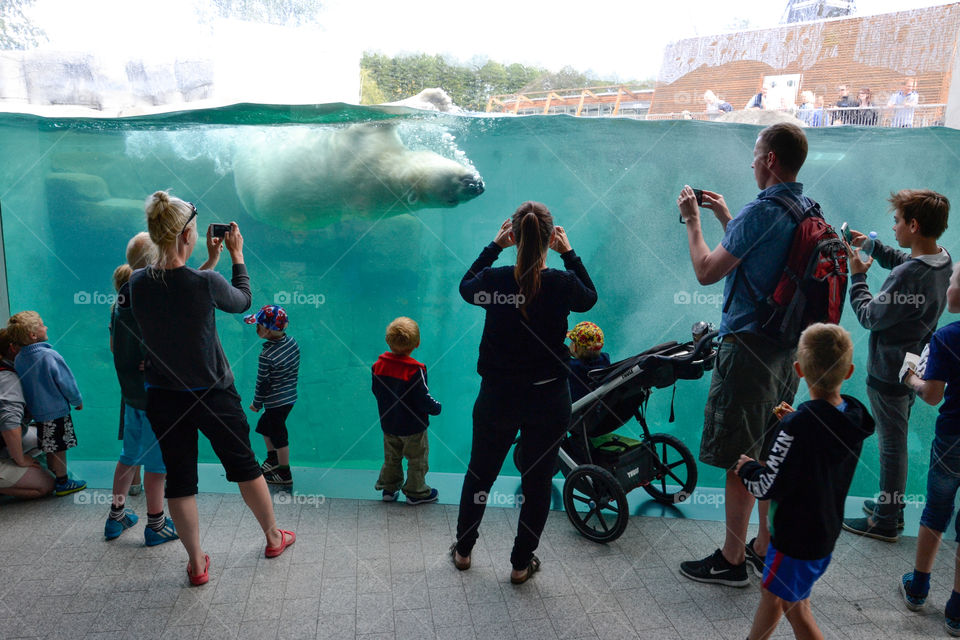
<point x="73" y="192"/>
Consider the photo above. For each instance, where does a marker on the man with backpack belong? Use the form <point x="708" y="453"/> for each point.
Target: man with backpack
<point x="901" y="318"/>
<point x="759" y="331"/>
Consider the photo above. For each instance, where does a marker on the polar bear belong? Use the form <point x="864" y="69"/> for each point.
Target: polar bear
<point x="308" y="177"/>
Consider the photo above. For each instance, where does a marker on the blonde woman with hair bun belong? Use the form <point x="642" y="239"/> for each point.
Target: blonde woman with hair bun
<point x="189" y="383"/>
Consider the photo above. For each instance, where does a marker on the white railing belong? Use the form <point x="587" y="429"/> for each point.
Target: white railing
<point x="924" y="115"/>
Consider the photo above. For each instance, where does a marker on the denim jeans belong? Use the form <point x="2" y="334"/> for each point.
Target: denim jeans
<point x="542" y="414"/>
<point x="892" y="415"/>
<point x="943" y="481"/>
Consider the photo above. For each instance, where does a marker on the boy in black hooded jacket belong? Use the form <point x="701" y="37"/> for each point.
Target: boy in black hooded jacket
<point x="806" y="476"/>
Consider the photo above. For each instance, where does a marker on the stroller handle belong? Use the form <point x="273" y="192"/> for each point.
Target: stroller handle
<point x="701" y="348"/>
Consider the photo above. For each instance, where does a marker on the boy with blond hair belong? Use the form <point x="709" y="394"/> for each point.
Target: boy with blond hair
<point x="405" y="404"/>
<point x="807" y="473"/>
<point x="50" y="390"/>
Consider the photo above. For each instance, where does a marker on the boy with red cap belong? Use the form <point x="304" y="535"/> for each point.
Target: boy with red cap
<point x="276" y="390"/>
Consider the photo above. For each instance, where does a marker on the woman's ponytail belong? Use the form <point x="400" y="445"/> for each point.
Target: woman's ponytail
<point x="532" y="227"/>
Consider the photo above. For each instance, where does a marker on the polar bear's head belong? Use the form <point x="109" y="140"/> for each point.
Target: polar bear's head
<point x="432" y="181"/>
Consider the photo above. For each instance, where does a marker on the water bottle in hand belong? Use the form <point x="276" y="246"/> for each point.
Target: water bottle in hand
<point x="866" y="249"/>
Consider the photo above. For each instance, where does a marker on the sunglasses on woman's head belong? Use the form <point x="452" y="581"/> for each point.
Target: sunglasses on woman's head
<point x="192" y="216"/>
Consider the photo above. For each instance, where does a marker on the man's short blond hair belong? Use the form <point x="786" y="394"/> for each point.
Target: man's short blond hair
<point x="825" y="352"/>
<point x="403" y="335"/>
<point x="22" y="326"/>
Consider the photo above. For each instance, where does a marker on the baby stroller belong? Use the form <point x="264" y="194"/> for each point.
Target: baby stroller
<point x="601" y="467"/>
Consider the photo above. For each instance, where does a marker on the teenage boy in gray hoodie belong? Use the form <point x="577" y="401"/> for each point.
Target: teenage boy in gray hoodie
<point x="901" y="318"/>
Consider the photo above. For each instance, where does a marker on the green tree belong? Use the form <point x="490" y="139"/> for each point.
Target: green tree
<point x="16" y="30"/>
<point x="370" y="92"/>
<point x="469" y="85"/>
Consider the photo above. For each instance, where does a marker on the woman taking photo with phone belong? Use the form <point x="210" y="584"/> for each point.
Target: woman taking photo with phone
<point x="523" y="369"/>
<point x="189" y="382"/>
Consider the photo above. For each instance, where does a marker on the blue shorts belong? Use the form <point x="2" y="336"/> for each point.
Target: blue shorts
<point x="943" y="482"/>
<point x="140" y="446"/>
<point x="791" y="579"/>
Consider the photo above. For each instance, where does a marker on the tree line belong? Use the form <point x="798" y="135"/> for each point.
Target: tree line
<point x="386" y="79"/>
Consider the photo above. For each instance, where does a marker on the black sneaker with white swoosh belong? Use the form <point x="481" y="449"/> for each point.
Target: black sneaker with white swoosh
<point x="715" y="569"/>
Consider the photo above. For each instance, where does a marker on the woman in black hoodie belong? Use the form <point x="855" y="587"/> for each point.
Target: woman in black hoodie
<point x="523" y="369"/>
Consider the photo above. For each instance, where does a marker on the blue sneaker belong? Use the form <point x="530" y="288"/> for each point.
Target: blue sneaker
<point x="914" y="602"/>
<point x="389" y="496"/>
<point x="69" y="486"/>
<point x="434" y="494"/>
<point x="152" y="538"/>
<point x="952" y="625"/>
<point x="114" y="528"/>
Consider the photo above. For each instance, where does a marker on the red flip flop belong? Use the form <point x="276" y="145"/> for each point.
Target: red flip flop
<point x="203" y="578"/>
<point x="287" y="538"/>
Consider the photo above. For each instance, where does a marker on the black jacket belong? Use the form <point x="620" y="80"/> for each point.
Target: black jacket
<point x="405" y="403"/>
<point x="808" y="472"/>
<point x="518" y="349"/>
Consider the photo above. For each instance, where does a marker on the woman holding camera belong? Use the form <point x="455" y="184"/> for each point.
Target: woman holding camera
<point x="523" y="370"/>
<point x="189" y="382"/>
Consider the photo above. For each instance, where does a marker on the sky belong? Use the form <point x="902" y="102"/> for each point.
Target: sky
<point x="616" y="39"/>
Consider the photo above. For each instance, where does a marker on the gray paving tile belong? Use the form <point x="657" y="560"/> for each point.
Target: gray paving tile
<point x="364" y="569"/>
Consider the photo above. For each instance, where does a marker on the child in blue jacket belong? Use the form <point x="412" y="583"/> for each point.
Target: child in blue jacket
<point x="50" y="390"/>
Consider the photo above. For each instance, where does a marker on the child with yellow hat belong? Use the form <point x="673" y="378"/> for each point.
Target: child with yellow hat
<point x="586" y="347"/>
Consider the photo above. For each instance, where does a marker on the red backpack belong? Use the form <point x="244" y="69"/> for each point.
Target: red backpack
<point x="813" y="285"/>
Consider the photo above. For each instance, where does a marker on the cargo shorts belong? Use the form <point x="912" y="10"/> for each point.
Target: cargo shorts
<point x="752" y="375"/>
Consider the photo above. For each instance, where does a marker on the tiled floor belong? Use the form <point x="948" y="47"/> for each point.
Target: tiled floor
<point x="365" y="569"/>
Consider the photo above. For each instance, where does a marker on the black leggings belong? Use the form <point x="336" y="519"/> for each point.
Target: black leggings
<point x="542" y="415"/>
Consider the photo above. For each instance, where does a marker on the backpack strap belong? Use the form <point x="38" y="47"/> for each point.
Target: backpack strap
<point x="798" y="212"/>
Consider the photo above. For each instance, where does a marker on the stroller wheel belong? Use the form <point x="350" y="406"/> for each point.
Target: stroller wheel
<point x="595" y="503"/>
<point x="674" y="469"/>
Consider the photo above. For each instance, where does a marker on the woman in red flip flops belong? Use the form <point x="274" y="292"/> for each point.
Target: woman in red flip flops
<point x="189" y="382"/>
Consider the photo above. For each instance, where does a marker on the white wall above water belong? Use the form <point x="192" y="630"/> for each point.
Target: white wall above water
<point x="238" y="62"/>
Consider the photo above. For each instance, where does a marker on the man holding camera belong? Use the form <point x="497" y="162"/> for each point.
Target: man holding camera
<point x="753" y="373"/>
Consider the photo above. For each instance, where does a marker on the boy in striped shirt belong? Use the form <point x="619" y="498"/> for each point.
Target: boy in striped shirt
<point x="276" y="390"/>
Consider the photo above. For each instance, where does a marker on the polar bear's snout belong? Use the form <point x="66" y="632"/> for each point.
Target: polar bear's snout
<point x="472" y="185"/>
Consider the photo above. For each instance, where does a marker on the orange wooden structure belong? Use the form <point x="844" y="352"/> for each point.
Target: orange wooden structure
<point x="604" y="100"/>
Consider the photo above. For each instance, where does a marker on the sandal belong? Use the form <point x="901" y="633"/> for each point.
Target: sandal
<point x="202" y="578"/>
<point x="531" y="569"/>
<point x="287" y="538"/>
<point x="461" y="565"/>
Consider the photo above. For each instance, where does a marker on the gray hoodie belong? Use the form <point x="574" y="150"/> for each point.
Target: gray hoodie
<point x="12" y="402"/>
<point x="904" y="313"/>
